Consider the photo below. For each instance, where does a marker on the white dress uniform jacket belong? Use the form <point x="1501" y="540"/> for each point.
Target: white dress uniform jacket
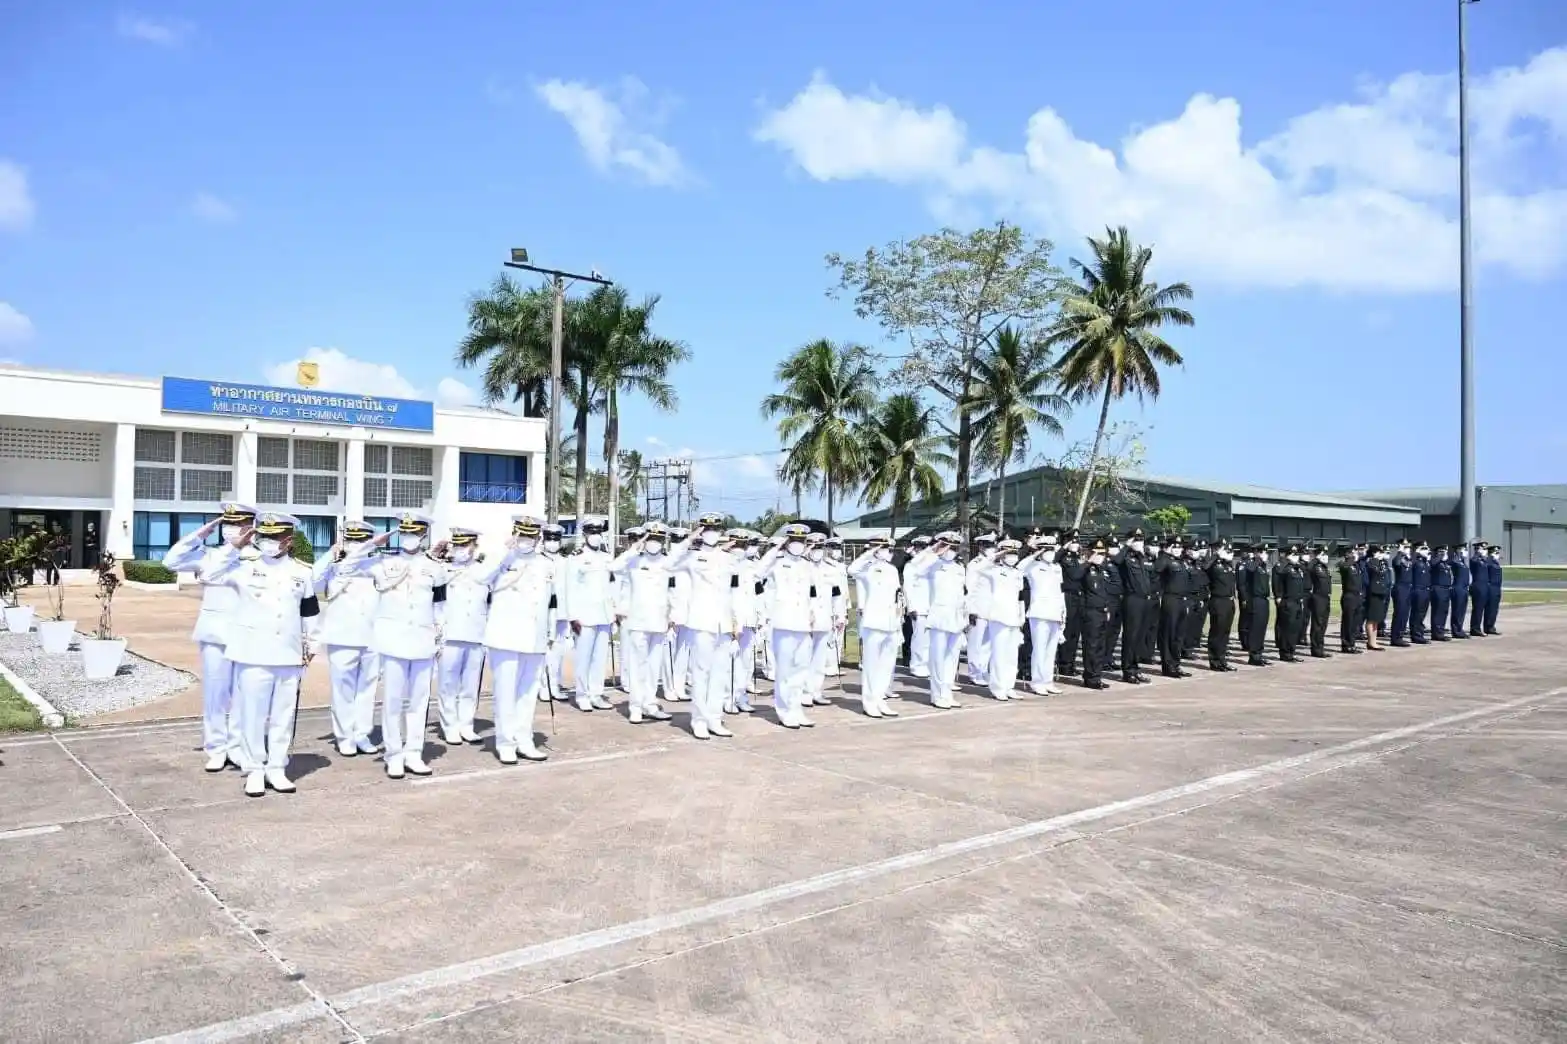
<point x="711" y="581"/>
<point x="824" y="602"/>
<point x="976" y="576"/>
<point x="646" y="579"/>
<point x="467" y="603"/>
<point x="407" y="618"/>
<point x="948" y="602"/>
<point x="522" y="616"/>
<point x="217" y="599"/>
<point x="348" y="601"/>
<point x="877" y="586"/>
<point x="265" y="627"/>
<point x="588" y="588"/>
<point x="1046" y="600"/>
<point x="1001" y="597"/>
<point x="789" y="581"/>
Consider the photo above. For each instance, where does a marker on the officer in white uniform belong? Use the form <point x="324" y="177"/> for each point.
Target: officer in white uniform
<point x="840" y="574"/>
<point x="461" y="662"/>
<point x="826" y="607"/>
<point x="676" y="675"/>
<point x="406" y="632"/>
<point x="916" y="596"/>
<point x="978" y="651"/>
<point x="189" y="554"/>
<point x="348" y="602"/>
<point x="1000" y="609"/>
<point x="518" y="635"/>
<point x="1046" y="612"/>
<point x="753" y="556"/>
<point x="710" y="624"/>
<point x="643" y="614"/>
<point x="631" y="536"/>
<point x="270" y="638"/>
<point x="790" y="577"/>
<point x="554" y="686"/>
<point x="879" y="594"/>
<point x="940" y="567"/>
<point x="748" y="601"/>
<point x="589" y="604"/>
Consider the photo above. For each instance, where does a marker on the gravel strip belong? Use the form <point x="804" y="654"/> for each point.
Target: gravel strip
<point x="59" y="679"/>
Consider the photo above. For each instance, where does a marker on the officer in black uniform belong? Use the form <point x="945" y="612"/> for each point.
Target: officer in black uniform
<point x="1115" y="589"/>
<point x="1403" y="593"/>
<point x="1221" y="607"/>
<point x="1174" y="588"/>
<point x="1460" y="596"/>
<point x="1197" y="615"/>
<point x="1137" y="581"/>
<point x="1319" y="599"/>
<point x="1094" y="609"/>
<point x="1255" y="582"/>
<point x="1070" y="559"/>
<point x="1420" y="593"/>
<point x="1379" y="585"/>
<point x="1349" y="600"/>
<point x="1243" y="594"/>
<point x="1442" y="578"/>
<point x="1149" y="644"/>
<point x="1303" y="622"/>
<point x="1289" y="591"/>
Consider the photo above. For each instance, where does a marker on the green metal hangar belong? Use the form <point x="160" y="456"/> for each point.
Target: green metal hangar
<point x="1529" y="523"/>
<point x="1241" y="513"/>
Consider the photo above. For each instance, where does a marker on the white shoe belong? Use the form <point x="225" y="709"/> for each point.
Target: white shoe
<point x="1052" y="691"/>
<point x="415" y="764"/>
<point x="634" y="716"/>
<point x="730" y="708"/>
<point x="700" y="731"/>
<point x="804" y="722"/>
<point x="452" y="737"/>
<point x="364" y="746"/>
<point x="532" y="753"/>
<point x="507" y="755"/>
<point x="871" y="710"/>
<point x="600" y="703"/>
<point x="468" y="735"/>
<point x="886" y="711"/>
<point x="752" y="689"/>
<point x="544" y="697"/>
<point x="720" y="730"/>
<point x="659" y="714"/>
<point x="278" y="780"/>
<point x="217" y="761"/>
<point x="255" y="784"/>
<point x="394" y="766"/>
<point x="1002" y="697"/>
<point x="347" y="749"/>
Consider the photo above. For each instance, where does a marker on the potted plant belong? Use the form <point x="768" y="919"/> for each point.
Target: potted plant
<point x="54" y="633"/>
<point x="102" y="653"/>
<point x="18" y="617"/>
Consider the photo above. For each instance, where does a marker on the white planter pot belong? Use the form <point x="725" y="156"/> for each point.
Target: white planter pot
<point x="18" y="618"/>
<point x="101" y="657"/>
<point x="55" y="635"/>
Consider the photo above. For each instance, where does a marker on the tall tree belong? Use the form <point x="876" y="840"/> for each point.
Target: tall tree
<point x="1013" y="393"/>
<point x="828" y="390"/>
<point x="632" y="479"/>
<point x="905" y="452"/>
<point x="1106" y="326"/>
<point x="945" y="296"/>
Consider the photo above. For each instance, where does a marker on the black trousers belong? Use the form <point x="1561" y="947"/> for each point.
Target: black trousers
<point x="1171" y="633"/>
<point x="1093" y="634"/>
<point x="1256" y="627"/>
<point x="1317" y="606"/>
<point x="1071" y="631"/>
<point x="1134" y="627"/>
<point x="1196" y="616"/>
<point x="1287" y="626"/>
<point x="1459" y="598"/>
<point x="1419" y="605"/>
<point x="1221" y="613"/>
<point x="1112" y="633"/>
<point x="1401" y="603"/>
<point x="1441" y="605"/>
<point x="908" y="637"/>
<point x="1148" y="644"/>
<point x="1243" y="621"/>
<point x="1349" y="614"/>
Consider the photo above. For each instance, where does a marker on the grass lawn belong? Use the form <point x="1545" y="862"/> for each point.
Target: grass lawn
<point x="1524" y="596"/>
<point x="16" y="714"/>
<point x="1520" y="572"/>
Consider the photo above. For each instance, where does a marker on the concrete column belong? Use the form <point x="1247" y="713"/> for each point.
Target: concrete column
<point x="448" y="471"/>
<point x="245" y="468"/>
<point x="121" y="533"/>
<point x="354" y="478"/>
<point x="538" y="489"/>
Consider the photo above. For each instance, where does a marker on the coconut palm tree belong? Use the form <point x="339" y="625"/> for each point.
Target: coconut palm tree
<point x="904" y="453"/>
<point x="631" y="477"/>
<point x="828" y="390"/>
<point x="1013" y="394"/>
<point x="1106" y="327"/>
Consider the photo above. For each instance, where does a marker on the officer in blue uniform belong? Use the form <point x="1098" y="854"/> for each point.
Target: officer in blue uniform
<point x="1363" y="563"/>
<point x="1493" y="602"/>
<point x="1403" y="590"/>
<point x="1479" y="589"/>
<point x="1420" y="594"/>
<point x="1460" y="564"/>
<point x="1441" y="594"/>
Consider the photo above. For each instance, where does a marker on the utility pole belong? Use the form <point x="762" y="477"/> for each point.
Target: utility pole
<point x="558" y="281"/>
<point x="1468" y="520"/>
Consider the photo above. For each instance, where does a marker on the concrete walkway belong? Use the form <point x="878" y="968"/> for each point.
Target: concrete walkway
<point x="1367" y="848"/>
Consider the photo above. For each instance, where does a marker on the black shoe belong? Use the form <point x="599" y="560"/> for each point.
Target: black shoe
<point x="1477" y="634"/>
<point x="1184" y="674"/>
<point x="1460" y="634"/>
<point x="1095" y="685"/>
<point x="1422" y="641"/>
<point x="1322" y="655"/>
<point x="1256" y="661"/>
<point x="1493" y="632"/>
<point x="1171" y="674"/>
<point x="1401" y="644"/>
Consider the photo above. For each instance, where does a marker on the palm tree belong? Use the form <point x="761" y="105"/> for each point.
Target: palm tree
<point x="1013" y="393"/>
<point x="904" y="452"/>
<point x="1107" y="327"/>
<point x="630" y="467"/>
<point x="828" y="390"/>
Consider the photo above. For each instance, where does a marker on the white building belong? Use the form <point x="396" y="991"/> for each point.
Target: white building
<point x="132" y="463"/>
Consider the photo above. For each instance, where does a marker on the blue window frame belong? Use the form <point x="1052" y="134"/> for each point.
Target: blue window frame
<point x="492" y="478"/>
<point x="322" y="531"/>
<point x="154" y="532"/>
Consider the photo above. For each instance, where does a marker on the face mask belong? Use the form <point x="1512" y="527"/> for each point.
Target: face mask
<point x="462" y="555"/>
<point x="817" y="554"/>
<point x="228" y="534"/>
<point x="1137" y="545"/>
<point x="1293" y="558"/>
<point x="594" y="540"/>
<point x="835" y="554"/>
<point x="1072" y="547"/>
<point x="270" y="547"/>
<point x="1225" y="555"/>
<point x="794" y="547"/>
<point x="653" y="547"/>
<point x="1096" y="559"/>
<point x="552" y="546"/>
<point x="526" y="545"/>
<point x="709" y="537"/>
<point x="883" y="555"/>
<point x="1009" y="560"/>
<point x="409" y="542"/>
<point x="949" y="555"/>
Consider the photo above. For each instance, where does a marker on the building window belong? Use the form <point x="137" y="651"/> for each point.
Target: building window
<point x="315" y="455"/>
<point x="321" y="530"/>
<point x="154" y="446"/>
<point x="272" y="452"/>
<point x="413" y="460"/>
<point x="153" y="484"/>
<point x="302" y="472"/>
<point x="315" y="489"/>
<point x="154" y="532"/>
<point x="410" y="493"/>
<point x="201" y="461"/>
<point x="271" y="488"/>
<point x="204" y="483"/>
<point x="493" y="478"/>
<point x="386" y="481"/>
<point x="206" y="448"/>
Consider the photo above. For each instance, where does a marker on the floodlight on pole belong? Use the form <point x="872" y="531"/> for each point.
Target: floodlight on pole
<point x="558" y="281"/>
<point x="1467" y="515"/>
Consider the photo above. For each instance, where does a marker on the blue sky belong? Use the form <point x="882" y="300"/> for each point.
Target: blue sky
<point x="215" y="193"/>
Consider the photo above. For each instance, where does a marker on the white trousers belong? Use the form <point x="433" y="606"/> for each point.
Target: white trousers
<point x="218" y="731"/>
<point x="943" y="664"/>
<point x="710" y="661"/>
<point x="676" y="670"/>
<point x="878" y="655"/>
<point x="556" y="658"/>
<point x="1045" y="635"/>
<point x="460" y="667"/>
<point x="978" y="652"/>
<point x="516" y="679"/>
<point x="1002" y="641"/>
<point x="642" y="653"/>
<point x="792" y="662"/>
<point x="591" y="660"/>
<point x="406" y="706"/>
<point x="764" y="638"/>
<point x="355" y="673"/>
<point x="821" y="651"/>
<point x="742" y="667"/>
<point x="268" y="698"/>
<point x="919" y="648"/>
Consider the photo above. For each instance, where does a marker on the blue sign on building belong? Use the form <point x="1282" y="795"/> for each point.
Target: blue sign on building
<point x="299" y="405"/>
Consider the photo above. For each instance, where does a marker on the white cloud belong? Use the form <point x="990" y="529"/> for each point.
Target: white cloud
<point x="15" y="328"/>
<point x="342" y="372"/>
<point x="1356" y="196"/>
<point x="145" y="30"/>
<point x="617" y="132"/>
<point x="210" y="208"/>
<point x="16" y="203"/>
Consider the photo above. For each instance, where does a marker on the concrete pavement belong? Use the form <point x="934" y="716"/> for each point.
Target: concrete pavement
<point x="1366" y="848"/>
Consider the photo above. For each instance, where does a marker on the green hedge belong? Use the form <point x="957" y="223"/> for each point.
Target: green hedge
<point x="149" y="573"/>
<point x="301" y="548"/>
